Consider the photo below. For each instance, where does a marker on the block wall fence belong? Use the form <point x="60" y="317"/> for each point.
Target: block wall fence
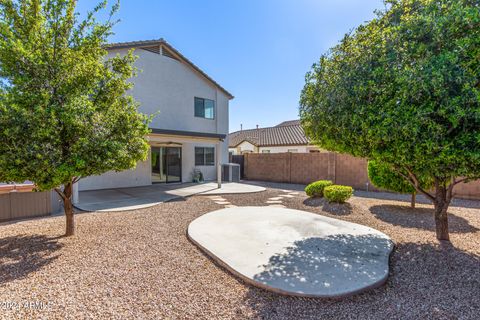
<point x="21" y="205"/>
<point x="303" y="168"/>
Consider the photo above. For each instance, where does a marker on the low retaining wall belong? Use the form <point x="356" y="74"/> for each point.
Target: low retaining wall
<point x="304" y="168"/>
<point x="19" y="205"/>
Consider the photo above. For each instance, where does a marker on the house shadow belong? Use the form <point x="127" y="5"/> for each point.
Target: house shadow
<point x="329" y="266"/>
<point x="418" y="218"/>
<point x="339" y="209"/>
<point x="425" y="279"/>
<point x="22" y="255"/>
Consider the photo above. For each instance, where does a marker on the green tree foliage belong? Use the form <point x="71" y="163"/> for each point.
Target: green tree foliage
<point x="404" y="89"/>
<point x="384" y="177"/>
<point x="64" y="111"/>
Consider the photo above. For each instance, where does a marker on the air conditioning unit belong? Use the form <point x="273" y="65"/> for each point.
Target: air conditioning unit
<point x="231" y="172"/>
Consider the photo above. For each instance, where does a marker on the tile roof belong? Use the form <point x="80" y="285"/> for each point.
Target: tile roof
<point x="285" y="134"/>
<point x="288" y="123"/>
<point x="161" y="41"/>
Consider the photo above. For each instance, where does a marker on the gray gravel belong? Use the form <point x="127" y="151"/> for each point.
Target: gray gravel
<point x="139" y="264"/>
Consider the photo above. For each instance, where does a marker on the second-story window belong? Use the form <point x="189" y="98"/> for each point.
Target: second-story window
<point x="204" y="108"/>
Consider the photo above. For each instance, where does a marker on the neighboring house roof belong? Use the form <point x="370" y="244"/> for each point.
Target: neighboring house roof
<point x="289" y="123"/>
<point x="287" y="133"/>
<point x="160" y="46"/>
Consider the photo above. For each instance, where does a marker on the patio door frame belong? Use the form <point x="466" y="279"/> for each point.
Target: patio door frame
<point x="179" y="148"/>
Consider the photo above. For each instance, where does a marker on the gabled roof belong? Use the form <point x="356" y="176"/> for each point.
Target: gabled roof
<point x="287" y="133"/>
<point x="161" y="44"/>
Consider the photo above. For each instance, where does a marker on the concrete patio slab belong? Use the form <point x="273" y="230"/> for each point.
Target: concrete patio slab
<point x="294" y="252"/>
<point x="124" y="199"/>
<point x="232" y="188"/>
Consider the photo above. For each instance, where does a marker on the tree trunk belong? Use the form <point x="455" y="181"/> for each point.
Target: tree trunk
<point x="441" y="203"/>
<point x="441" y="223"/>
<point x="412" y="202"/>
<point x="68" y="208"/>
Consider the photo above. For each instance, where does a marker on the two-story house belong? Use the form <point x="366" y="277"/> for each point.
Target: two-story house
<point x="190" y="125"/>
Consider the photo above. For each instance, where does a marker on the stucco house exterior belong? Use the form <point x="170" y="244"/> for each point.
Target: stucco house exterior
<point x="287" y="136"/>
<point x="190" y="125"/>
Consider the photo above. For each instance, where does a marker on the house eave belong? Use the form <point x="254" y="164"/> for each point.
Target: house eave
<point x="188" y="133"/>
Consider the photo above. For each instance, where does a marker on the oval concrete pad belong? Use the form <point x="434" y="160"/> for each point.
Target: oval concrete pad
<point x="294" y="252"/>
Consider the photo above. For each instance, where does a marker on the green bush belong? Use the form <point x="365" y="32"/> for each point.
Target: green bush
<point x="315" y="189"/>
<point x="337" y="193"/>
<point x="382" y="176"/>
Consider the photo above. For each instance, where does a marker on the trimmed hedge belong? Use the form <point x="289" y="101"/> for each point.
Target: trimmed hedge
<point x="337" y="193"/>
<point x="315" y="189"/>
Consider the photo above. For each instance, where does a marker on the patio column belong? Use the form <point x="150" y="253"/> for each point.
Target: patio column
<point x="219" y="165"/>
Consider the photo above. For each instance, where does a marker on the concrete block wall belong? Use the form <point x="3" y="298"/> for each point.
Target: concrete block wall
<point x="304" y="168"/>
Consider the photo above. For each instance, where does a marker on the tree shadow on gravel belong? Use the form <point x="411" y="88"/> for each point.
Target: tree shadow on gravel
<point x="339" y="209"/>
<point x="427" y="281"/>
<point x="418" y="218"/>
<point x="22" y="255"/>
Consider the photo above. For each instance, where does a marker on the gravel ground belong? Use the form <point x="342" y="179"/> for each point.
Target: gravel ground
<point x="139" y="264"/>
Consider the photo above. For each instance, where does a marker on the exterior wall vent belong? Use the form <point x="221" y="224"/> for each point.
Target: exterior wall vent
<point x="168" y="53"/>
<point x="154" y="49"/>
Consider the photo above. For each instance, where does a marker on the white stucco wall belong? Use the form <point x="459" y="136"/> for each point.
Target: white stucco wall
<point x="280" y="149"/>
<point x="141" y="175"/>
<point x="167" y="88"/>
<point x="246" y="147"/>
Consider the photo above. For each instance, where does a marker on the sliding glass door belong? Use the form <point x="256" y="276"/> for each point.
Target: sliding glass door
<point x="166" y="164"/>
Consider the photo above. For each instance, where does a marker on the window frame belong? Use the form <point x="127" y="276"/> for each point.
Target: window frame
<point x="204" y="156"/>
<point x="195" y="99"/>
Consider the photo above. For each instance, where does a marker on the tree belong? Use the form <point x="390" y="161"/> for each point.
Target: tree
<point x="64" y="108"/>
<point x="404" y="89"/>
<point x="383" y="176"/>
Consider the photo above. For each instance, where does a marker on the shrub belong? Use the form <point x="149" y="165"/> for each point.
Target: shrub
<point x="337" y="193"/>
<point x="384" y="177"/>
<point x="315" y="189"/>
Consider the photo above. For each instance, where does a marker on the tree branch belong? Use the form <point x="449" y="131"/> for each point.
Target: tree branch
<point x="60" y="193"/>
<point x="465" y="179"/>
<point x="415" y="183"/>
<point x="450" y="194"/>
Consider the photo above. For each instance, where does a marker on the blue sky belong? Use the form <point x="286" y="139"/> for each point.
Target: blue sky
<point x="259" y="50"/>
